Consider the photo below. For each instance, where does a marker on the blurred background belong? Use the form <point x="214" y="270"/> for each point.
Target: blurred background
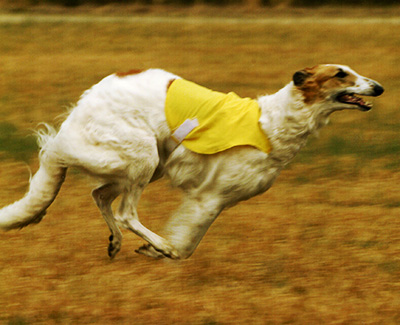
<point x="322" y="246"/>
<point x="311" y="3"/>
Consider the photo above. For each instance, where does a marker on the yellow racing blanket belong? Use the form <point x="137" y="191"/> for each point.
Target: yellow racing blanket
<point x="207" y="122"/>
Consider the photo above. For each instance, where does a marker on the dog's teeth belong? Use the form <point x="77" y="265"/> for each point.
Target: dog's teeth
<point x="353" y="99"/>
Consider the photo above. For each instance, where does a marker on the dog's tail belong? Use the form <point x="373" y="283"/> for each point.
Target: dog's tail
<point x="43" y="187"/>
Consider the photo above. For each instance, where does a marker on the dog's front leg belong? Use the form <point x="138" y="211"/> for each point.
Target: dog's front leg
<point x="188" y="225"/>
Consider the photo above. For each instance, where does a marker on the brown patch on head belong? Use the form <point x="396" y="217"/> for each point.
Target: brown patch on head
<point x="317" y="82"/>
<point x="128" y="73"/>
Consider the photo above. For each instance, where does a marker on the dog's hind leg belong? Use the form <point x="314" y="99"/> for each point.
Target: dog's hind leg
<point x="103" y="197"/>
<point x="128" y="218"/>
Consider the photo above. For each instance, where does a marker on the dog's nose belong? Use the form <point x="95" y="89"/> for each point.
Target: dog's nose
<point x="378" y="89"/>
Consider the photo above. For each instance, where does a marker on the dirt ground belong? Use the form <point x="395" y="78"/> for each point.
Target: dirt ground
<point x="322" y="246"/>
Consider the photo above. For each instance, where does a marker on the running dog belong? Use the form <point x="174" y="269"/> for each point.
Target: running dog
<point x="119" y="133"/>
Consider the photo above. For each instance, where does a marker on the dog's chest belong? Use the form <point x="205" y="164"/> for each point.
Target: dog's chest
<point x="208" y="122"/>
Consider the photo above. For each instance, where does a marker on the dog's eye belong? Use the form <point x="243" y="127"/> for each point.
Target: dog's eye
<point x="341" y="74"/>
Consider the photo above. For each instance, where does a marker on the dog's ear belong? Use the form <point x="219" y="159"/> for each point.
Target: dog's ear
<point x="300" y="77"/>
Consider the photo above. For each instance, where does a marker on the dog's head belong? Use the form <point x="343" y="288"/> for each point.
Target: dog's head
<point x="336" y="86"/>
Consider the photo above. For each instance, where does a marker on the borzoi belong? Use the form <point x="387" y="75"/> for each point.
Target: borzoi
<point x="118" y="132"/>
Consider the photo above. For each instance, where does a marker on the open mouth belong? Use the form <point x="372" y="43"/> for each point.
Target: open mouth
<point x="352" y="99"/>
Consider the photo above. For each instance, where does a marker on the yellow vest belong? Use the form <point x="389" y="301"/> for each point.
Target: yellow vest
<point x="215" y="121"/>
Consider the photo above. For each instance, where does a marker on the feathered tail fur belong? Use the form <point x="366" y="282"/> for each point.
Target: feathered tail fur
<point x="43" y="187"/>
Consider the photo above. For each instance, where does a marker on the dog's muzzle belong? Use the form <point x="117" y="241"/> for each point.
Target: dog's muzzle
<point x="351" y="98"/>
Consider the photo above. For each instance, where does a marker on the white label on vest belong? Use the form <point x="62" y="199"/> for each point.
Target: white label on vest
<point x="184" y="129"/>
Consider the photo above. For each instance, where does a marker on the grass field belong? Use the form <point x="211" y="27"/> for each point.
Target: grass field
<point x="321" y="247"/>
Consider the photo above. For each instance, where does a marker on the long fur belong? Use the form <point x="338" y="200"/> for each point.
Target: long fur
<point x="118" y="133"/>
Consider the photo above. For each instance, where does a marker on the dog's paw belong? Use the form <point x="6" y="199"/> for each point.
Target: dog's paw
<point x="151" y="251"/>
<point x="168" y="250"/>
<point x="114" y="246"/>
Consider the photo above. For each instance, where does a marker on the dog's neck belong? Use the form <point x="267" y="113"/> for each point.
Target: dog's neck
<point x="288" y="121"/>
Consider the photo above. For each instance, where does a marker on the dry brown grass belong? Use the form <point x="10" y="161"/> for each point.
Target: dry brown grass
<point x="321" y="247"/>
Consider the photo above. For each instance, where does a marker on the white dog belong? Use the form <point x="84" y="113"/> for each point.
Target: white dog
<point x="118" y="132"/>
